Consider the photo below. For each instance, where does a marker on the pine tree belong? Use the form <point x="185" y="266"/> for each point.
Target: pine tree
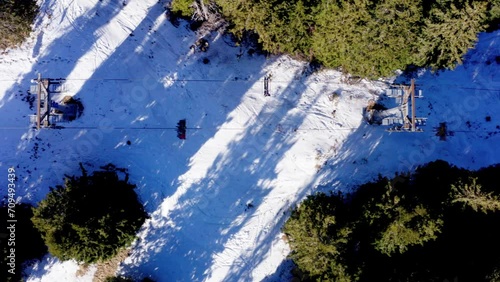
<point x="449" y="32"/>
<point x="318" y="239"/>
<point x="493" y="19"/>
<point x="391" y="230"/>
<point x="16" y="17"/>
<point x="470" y="194"/>
<point x="183" y="7"/>
<point x="362" y="37"/>
<point x="408" y="228"/>
<point x="295" y="28"/>
<point x="89" y="218"/>
<point x="338" y="39"/>
<point x="28" y="243"/>
<point x="393" y="32"/>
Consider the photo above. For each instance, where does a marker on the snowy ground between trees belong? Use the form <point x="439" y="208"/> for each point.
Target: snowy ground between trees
<point x="218" y="199"/>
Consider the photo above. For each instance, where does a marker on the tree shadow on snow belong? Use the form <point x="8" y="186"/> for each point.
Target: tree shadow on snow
<point x="131" y="106"/>
<point x="370" y="150"/>
<point x="129" y="111"/>
<point x="196" y="237"/>
<point x="58" y="60"/>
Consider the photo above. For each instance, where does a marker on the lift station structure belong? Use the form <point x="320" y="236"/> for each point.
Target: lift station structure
<point x="406" y="97"/>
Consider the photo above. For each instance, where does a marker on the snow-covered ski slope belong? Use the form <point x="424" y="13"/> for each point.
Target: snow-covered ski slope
<point x="217" y="200"/>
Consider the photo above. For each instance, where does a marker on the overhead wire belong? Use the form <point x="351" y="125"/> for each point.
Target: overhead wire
<point x="163" y="128"/>
<point x="205" y="128"/>
<point x="234" y="79"/>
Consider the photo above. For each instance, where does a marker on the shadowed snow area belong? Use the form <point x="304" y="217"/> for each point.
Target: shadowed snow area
<point x="218" y="199"/>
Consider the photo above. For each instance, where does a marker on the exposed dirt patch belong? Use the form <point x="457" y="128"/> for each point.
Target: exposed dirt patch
<point x="108" y="268"/>
<point x="105" y="269"/>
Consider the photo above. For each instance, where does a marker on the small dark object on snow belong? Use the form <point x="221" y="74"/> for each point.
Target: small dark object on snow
<point x="249" y="206"/>
<point x="202" y="44"/>
<point x="128" y="142"/>
<point x="206" y="61"/>
<point x="266" y="85"/>
<point x="195" y="25"/>
<point x="181" y="129"/>
<point x="442" y="131"/>
<point x="488" y="118"/>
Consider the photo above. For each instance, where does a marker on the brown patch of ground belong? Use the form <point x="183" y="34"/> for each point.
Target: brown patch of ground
<point x="105" y="269"/>
<point x="108" y="268"/>
<point x="82" y="270"/>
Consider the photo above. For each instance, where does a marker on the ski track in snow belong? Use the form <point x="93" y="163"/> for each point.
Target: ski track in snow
<point x="219" y="199"/>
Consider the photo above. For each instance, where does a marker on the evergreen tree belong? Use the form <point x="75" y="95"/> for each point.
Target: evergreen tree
<point x="493" y="18"/>
<point x="392" y="35"/>
<point x="16" y="17"/>
<point x="340" y="34"/>
<point x="28" y="243"/>
<point x="407" y="229"/>
<point x="318" y="239"/>
<point x="183" y="7"/>
<point x="411" y="228"/>
<point x="470" y="194"/>
<point x="450" y="31"/>
<point x="91" y="217"/>
<point x="363" y="37"/>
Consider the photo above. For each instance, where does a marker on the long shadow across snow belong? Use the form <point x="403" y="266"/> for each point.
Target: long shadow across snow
<point x="153" y="89"/>
<point x="58" y="60"/>
<point x="370" y="150"/>
<point x="128" y="90"/>
<point x="137" y="94"/>
<point x="198" y="238"/>
<point x="159" y="82"/>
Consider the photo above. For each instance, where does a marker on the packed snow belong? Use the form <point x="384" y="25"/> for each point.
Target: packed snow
<point x="218" y="200"/>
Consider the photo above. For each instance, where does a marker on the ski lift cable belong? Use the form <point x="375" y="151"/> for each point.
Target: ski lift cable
<point x="234" y="80"/>
<point x="214" y="128"/>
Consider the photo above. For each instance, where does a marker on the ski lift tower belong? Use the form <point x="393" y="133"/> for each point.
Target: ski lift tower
<point x="405" y="96"/>
<point x="44" y="88"/>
